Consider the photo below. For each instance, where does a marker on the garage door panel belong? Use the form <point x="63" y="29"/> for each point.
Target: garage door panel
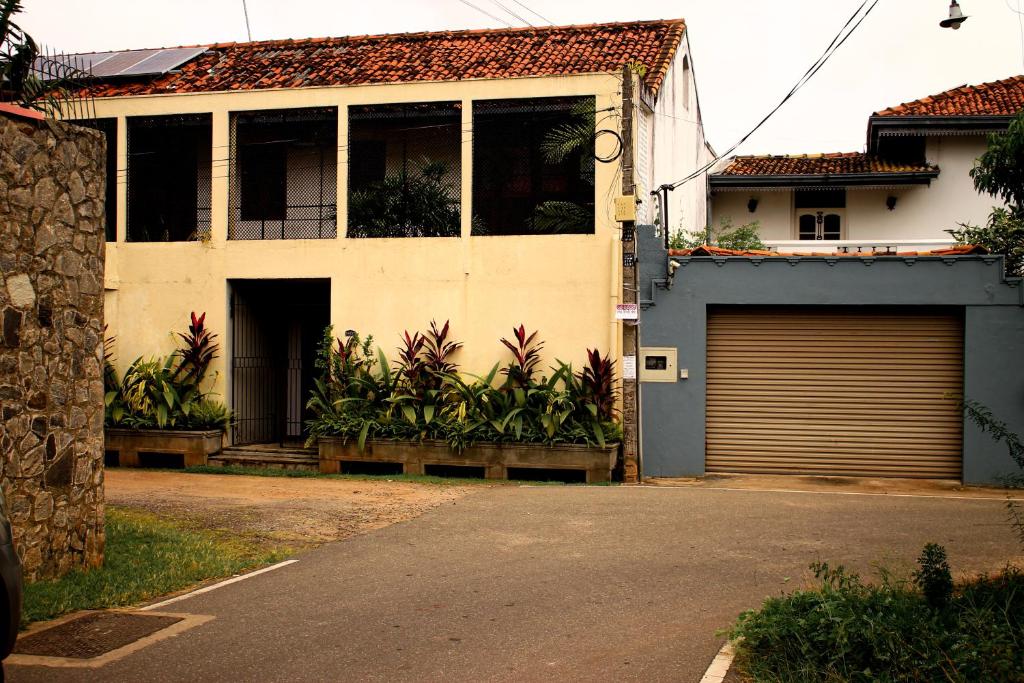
<point x="834" y="392"/>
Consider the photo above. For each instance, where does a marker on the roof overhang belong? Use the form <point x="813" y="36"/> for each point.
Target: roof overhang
<point x="881" y="126"/>
<point x="819" y="181"/>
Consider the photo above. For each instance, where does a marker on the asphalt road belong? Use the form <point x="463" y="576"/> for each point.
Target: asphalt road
<point x="595" y="583"/>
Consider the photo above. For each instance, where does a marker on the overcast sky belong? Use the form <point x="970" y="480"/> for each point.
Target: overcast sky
<point x="746" y="53"/>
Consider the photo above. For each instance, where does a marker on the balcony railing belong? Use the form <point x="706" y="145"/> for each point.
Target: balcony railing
<point x="856" y="246"/>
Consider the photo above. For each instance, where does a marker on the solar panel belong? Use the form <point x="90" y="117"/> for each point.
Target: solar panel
<point x="128" y="62"/>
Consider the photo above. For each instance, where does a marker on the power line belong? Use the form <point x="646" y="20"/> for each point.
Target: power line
<point x="467" y="3"/>
<point x="245" y="11"/>
<point x="534" y="12"/>
<point x="518" y="17"/>
<point x="841" y="37"/>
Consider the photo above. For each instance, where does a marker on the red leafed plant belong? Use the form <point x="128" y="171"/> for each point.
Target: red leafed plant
<point x="411" y="365"/>
<point x="598" y="379"/>
<point x="438" y="350"/>
<point x="196" y="353"/>
<point x="525" y="357"/>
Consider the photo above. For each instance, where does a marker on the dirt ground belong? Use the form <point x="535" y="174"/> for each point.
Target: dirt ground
<point x="294" y="512"/>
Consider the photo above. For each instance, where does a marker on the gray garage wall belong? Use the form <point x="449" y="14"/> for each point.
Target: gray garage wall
<point x="673" y="414"/>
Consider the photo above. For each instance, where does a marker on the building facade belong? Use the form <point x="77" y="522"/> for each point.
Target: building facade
<point x="378" y="183"/>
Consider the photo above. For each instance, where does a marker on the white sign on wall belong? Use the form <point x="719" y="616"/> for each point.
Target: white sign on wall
<point x="629" y="367"/>
<point x="627" y="311"/>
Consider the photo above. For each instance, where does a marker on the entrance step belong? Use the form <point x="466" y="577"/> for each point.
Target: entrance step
<point x="269" y="456"/>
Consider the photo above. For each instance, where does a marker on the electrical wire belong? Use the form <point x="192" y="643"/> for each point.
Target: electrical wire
<point x="840" y="38"/>
<point x="518" y="17"/>
<point x="245" y="11"/>
<point x="535" y="13"/>
<point x="467" y="3"/>
<point x="1020" y="24"/>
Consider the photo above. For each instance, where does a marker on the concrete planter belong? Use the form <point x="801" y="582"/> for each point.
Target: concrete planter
<point x="194" y="446"/>
<point x="495" y="458"/>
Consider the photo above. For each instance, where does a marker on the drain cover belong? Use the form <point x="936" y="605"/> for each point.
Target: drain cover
<point x="92" y="635"/>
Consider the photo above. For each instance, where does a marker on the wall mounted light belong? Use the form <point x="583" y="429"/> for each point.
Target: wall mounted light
<point x="890" y="203"/>
<point x="752" y="204"/>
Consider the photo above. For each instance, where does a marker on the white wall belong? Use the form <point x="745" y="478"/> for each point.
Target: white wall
<point x="923" y="212"/>
<point x="676" y="147"/>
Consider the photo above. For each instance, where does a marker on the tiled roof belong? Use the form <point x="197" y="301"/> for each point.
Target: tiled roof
<point x="966" y="250"/>
<point x="999" y="98"/>
<point x="817" y="164"/>
<point x="408" y="57"/>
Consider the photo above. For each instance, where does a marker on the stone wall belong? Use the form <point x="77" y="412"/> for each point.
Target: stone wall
<point x="51" y="304"/>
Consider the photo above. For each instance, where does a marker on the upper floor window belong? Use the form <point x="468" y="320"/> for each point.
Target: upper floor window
<point x="405" y="170"/>
<point x="283" y="182"/>
<point x="820" y="214"/>
<point x="108" y="127"/>
<point x="169" y="177"/>
<point x="533" y="166"/>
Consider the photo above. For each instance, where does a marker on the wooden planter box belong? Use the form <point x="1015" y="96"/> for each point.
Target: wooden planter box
<point x="495" y="458"/>
<point x="195" y="446"/>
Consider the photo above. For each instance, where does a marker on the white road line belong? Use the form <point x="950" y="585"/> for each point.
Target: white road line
<point x="207" y="589"/>
<point x="830" y="493"/>
<point x="720" y="664"/>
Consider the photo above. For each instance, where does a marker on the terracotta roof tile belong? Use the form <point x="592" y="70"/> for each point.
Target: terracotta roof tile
<point x="838" y="163"/>
<point x="706" y="250"/>
<point x="408" y="57"/>
<point x="999" y="98"/>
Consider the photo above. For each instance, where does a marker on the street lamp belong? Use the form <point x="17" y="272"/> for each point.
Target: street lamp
<point x="956" y="17"/>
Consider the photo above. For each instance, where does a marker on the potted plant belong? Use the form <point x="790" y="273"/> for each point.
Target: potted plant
<point x="159" y="405"/>
<point x="420" y="411"/>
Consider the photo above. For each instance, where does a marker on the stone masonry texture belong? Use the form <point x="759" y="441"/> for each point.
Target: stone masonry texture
<point x="51" y="342"/>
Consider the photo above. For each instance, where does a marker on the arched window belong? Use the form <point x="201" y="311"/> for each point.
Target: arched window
<point x="820" y="214"/>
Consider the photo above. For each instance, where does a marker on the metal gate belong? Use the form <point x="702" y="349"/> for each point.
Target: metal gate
<point x="273" y="348"/>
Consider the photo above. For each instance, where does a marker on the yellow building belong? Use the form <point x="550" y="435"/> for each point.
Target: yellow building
<point x="377" y="183"/>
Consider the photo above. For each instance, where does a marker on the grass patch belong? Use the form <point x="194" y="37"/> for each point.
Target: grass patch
<point x="846" y="630"/>
<point x="146" y="557"/>
<point x="411" y="478"/>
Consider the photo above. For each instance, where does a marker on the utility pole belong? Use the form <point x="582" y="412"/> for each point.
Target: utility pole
<point x="631" y="471"/>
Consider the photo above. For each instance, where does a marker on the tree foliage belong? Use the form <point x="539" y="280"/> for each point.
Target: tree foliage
<point x="1003" y="234"/>
<point x="1000" y="170"/>
<point x="745" y="237"/>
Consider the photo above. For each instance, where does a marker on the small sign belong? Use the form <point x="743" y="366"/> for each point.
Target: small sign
<point x="628" y="234"/>
<point x="627" y="312"/>
<point x="629" y="367"/>
<point x="628" y="259"/>
<point x="625" y="209"/>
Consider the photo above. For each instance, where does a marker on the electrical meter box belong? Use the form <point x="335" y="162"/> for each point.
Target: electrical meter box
<point x="625" y="208"/>
<point x="658" y="364"/>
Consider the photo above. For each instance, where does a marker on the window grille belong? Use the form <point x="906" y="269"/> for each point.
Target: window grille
<point x="405" y="170"/>
<point x="169" y="164"/>
<point x="108" y="127"/>
<point x="283" y="174"/>
<point x="533" y="166"/>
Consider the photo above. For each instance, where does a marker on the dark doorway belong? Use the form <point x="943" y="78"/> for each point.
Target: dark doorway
<point x="276" y="326"/>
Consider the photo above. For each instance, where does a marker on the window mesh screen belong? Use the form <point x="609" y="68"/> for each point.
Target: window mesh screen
<point x="109" y="129"/>
<point x="405" y="170"/>
<point x="533" y="166"/>
<point x="169" y="159"/>
<point x="283" y="177"/>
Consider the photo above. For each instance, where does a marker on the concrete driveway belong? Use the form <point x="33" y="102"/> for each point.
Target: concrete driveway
<point x="578" y="583"/>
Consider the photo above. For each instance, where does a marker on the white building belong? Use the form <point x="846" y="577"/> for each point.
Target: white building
<point x="903" y="193"/>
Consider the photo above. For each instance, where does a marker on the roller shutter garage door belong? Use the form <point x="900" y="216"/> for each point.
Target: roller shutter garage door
<point x="834" y="391"/>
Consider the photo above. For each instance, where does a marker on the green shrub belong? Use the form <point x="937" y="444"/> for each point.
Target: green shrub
<point x="165" y="393"/>
<point x="933" y="577"/>
<point x="745" y="237"/>
<point x="361" y="395"/>
<point x="847" y="630"/>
